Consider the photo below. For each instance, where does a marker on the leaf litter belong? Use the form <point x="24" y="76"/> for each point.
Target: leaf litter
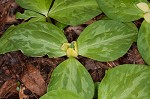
<point x="33" y="80"/>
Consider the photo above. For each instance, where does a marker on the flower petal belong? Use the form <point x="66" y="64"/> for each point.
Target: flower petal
<point x="71" y="53"/>
<point x="147" y="17"/>
<point x="143" y="6"/>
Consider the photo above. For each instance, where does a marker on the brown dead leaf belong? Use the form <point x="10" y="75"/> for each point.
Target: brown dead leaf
<point x="33" y="80"/>
<point x="8" y="87"/>
<point x="7" y="10"/>
<point x="72" y="32"/>
<point x="76" y="29"/>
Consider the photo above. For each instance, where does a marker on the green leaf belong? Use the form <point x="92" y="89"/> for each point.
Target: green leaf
<point x="71" y="75"/>
<point x="5" y="44"/>
<point x="42" y="18"/>
<point x="38" y="39"/>
<point x="122" y="10"/>
<point x="143" y="41"/>
<point x="74" y="12"/>
<point x="28" y="14"/>
<point x="61" y="94"/>
<point x="40" y="6"/>
<point x="126" y="82"/>
<point x="133" y="27"/>
<point x="106" y="40"/>
<point x="60" y="25"/>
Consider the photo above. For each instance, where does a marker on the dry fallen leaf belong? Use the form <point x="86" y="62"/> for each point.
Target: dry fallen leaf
<point x="76" y="29"/>
<point x="33" y="80"/>
<point x="7" y="14"/>
<point x="8" y="87"/>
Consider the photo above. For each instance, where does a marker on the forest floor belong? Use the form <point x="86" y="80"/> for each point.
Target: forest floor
<point x="30" y="74"/>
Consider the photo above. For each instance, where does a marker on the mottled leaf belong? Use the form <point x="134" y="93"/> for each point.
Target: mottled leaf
<point x="71" y="75"/>
<point x="106" y="40"/>
<point x="38" y="39"/>
<point x="74" y="12"/>
<point x="28" y="14"/>
<point x="40" y="6"/>
<point x="42" y="18"/>
<point x="122" y="10"/>
<point x="60" y="25"/>
<point x="61" y="94"/>
<point x="126" y="82"/>
<point x="143" y="41"/>
<point x="5" y="43"/>
<point x="133" y="27"/>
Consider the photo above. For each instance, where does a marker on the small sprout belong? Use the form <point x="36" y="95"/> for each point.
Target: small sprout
<point x="70" y="48"/>
<point x="18" y="86"/>
<point x="145" y="8"/>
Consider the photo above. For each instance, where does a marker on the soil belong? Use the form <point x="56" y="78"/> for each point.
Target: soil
<point x="32" y="74"/>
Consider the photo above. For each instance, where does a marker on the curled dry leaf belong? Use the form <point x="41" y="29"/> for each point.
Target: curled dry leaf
<point x="33" y="80"/>
<point x="8" y="87"/>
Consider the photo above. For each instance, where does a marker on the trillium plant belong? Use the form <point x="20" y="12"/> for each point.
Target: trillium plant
<point x="64" y="11"/>
<point x="103" y="40"/>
